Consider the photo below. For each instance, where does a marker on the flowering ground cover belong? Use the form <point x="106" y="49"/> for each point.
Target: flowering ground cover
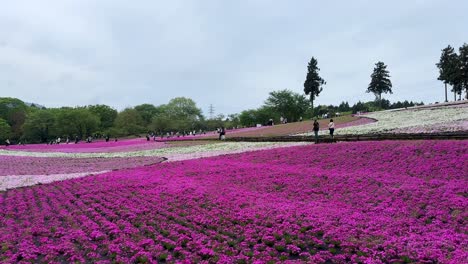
<point x="23" y="165"/>
<point x="197" y="150"/>
<point x="124" y="145"/>
<point x="434" y="119"/>
<point x="359" y="202"/>
<point x="26" y="168"/>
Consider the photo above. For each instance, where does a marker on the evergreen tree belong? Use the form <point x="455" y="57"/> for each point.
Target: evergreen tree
<point x="344" y="107"/>
<point x="380" y="81"/>
<point x="447" y="67"/>
<point x="463" y="68"/>
<point x="313" y="83"/>
<point x="456" y="76"/>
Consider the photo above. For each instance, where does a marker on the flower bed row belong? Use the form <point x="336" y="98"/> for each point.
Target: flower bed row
<point x="372" y="202"/>
<point x="16" y="181"/>
<point x="452" y="118"/>
<point x="23" y="165"/>
<point x="29" y="168"/>
<point x="196" y="150"/>
<point x="124" y="145"/>
<point x="438" y="119"/>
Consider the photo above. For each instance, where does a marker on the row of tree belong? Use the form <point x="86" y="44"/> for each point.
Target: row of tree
<point x="453" y="70"/>
<point x="22" y="122"/>
<point x="293" y="106"/>
<point x="380" y="81"/>
<point x="29" y="123"/>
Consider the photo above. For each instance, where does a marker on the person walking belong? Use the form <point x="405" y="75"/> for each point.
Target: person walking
<point x="316" y="130"/>
<point x="222" y="133"/>
<point x="331" y="127"/>
<point x="7" y="142"/>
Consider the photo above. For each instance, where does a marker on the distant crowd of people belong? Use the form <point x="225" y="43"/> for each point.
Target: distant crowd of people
<point x="221" y="131"/>
<point x="171" y="134"/>
<point x="88" y="139"/>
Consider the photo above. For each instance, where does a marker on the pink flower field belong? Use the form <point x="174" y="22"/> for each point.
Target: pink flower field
<point x="360" y="202"/>
<point x="17" y="165"/>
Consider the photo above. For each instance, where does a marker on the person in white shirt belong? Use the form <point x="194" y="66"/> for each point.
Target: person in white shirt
<point x="331" y="127"/>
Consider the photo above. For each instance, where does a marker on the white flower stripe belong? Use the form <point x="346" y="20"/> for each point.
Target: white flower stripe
<point x="225" y="147"/>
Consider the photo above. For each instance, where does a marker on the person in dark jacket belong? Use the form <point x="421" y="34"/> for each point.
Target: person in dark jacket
<point x="316" y="130"/>
<point x="222" y="133"/>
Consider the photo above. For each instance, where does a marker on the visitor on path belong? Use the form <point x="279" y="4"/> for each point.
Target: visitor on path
<point x="147" y="137"/>
<point x="300" y="119"/>
<point x="7" y="142"/>
<point x="222" y="133"/>
<point x="68" y="140"/>
<point x="107" y="138"/>
<point x="115" y="140"/>
<point x="331" y="127"/>
<point x="59" y="140"/>
<point x="76" y="140"/>
<point x="316" y="130"/>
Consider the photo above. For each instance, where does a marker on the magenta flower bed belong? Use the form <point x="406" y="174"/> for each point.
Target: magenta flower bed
<point x="15" y="165"/>
<point x="98" y="146"/>
<point x="362" y="202"/>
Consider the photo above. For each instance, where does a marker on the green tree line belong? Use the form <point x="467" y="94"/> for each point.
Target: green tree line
<point x="20" y="122"/>
<point x="293" y="106"/>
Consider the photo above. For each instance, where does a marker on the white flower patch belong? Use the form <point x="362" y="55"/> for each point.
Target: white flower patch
<point x="196" y="155"/>
<point x="15" y="181"/>
<point x="207" y="150"/>
<point x="419" y="120"/>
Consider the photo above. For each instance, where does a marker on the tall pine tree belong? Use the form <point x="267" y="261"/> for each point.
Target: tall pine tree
<point x="313" y="84"/>
<point x="463" y="68"/>
<point x="380" y="81"/>
<point x="456" y="76"/>
<point x="447" y="67"/>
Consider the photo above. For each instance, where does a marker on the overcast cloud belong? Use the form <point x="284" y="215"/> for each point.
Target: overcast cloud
<point x="227" y="53"/>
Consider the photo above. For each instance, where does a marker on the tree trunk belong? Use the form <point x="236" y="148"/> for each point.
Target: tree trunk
<point x="312" y="104"/>
<point x="446" y="92"/>
<point x="454" y="95"/>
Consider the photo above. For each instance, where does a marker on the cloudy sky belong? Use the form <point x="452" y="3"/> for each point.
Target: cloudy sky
<point x="227" y="53"/>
